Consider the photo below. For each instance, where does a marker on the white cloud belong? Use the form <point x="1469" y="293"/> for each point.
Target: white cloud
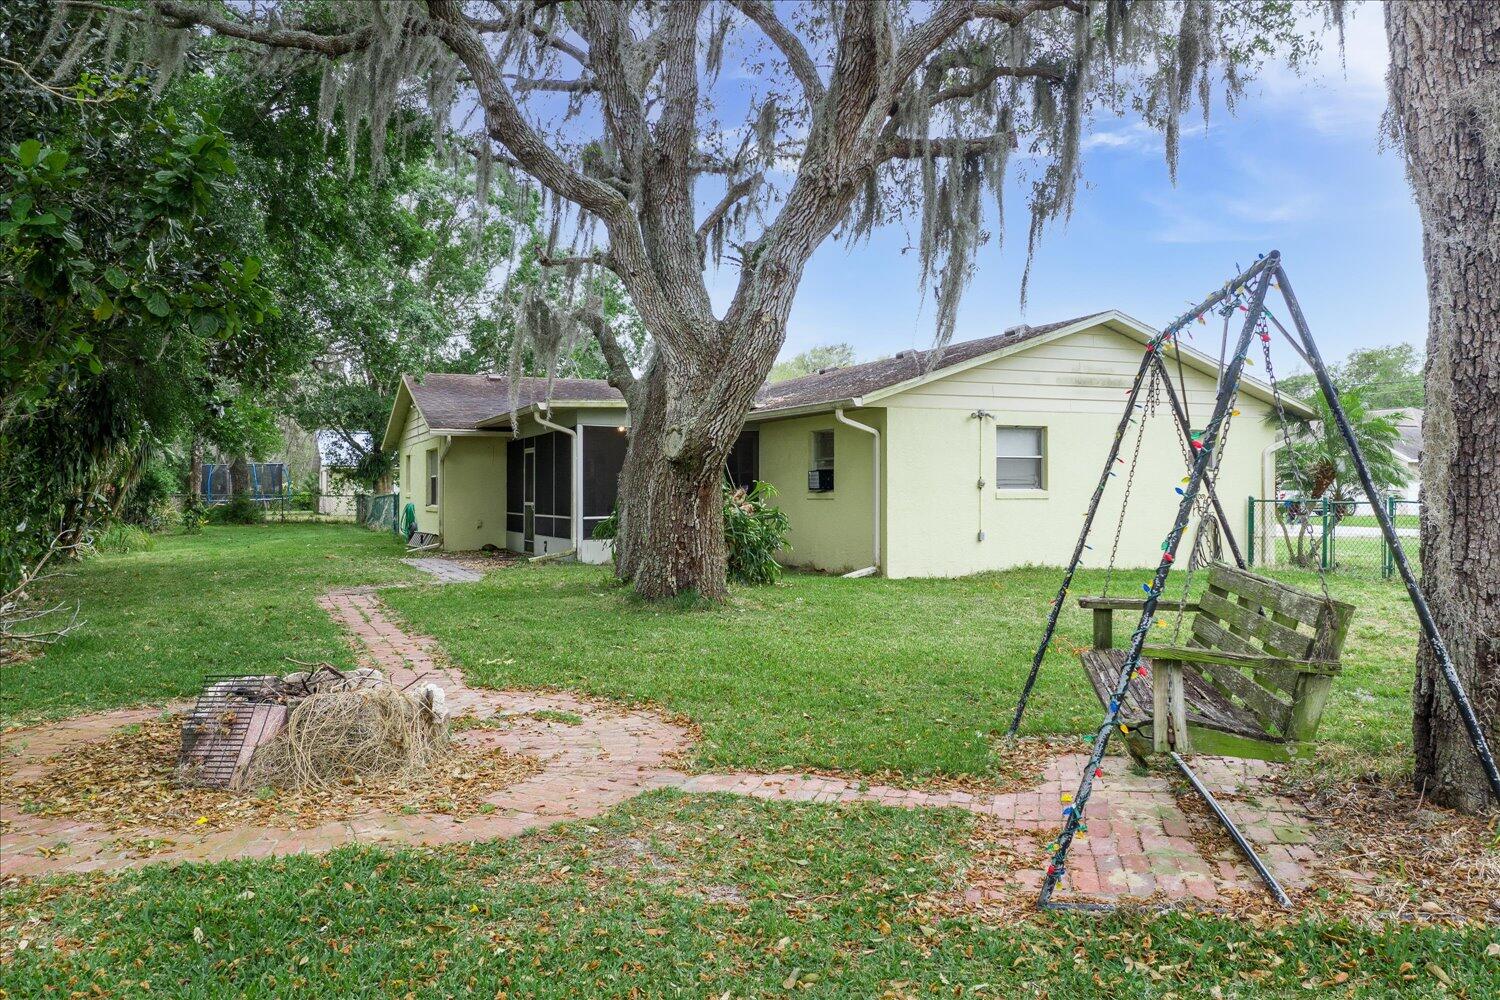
<point x="1336" y="95"/>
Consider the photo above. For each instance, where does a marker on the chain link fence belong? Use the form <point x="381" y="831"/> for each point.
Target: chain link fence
<point x="375" y="511"/>
<point x="1335" y="536"/>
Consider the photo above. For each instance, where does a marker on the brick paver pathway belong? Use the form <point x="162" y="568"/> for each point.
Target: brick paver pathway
<point x="1140" y="841"/>
<point x="445" y="570"/>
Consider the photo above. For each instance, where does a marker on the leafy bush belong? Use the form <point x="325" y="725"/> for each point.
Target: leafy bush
<point x="239" y="510"/>
<point x="754" y="529"/>
<point x="122" y="537"/>
<point x="193" y="514"/>
<point x="146" y="503"/>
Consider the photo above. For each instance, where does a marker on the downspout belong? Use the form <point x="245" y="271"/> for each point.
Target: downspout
<point x="981" y="416"/>
<point x="871" y="570"/>
<point x="575" y="527"/>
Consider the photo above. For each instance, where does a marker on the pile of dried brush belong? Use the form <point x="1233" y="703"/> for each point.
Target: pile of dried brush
<point x="334" y="737"/>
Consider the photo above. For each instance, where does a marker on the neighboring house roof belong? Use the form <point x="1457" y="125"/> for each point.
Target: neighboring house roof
<point x="335" y="452"/>
<point x="1410" y="429"/>
<point x="481" y="402"/>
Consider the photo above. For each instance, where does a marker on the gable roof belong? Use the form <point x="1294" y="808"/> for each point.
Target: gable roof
<point x="861" y="380"/>
<point x="862" y="385"/>
<point x="452" y="402"/>
<point x="481" y="402"/>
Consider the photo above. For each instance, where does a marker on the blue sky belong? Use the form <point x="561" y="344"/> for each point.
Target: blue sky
<point x="1299" y="169"/>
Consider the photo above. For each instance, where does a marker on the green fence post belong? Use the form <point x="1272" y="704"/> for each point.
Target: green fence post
<point x="1390" y="557"/>
<point x="1250" y="533"/>
<point x="1323" y="546"/>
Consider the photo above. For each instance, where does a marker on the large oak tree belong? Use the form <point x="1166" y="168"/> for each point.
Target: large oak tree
<point x="862" y="113"/>
<point x="1445" y="112"/>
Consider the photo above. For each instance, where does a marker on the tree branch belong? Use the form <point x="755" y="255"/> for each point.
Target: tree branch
<point x="764" y="17"/>
<point x="582" y="85"/>
<point x="282" y="38"/>
<point x="598" y="259"/>
<point x="952" y="15"/>
<point x="504" y="122"/>
<point x="983" y="78"/>
<point x="620" y="375"/>
<point x="742" y="188"/>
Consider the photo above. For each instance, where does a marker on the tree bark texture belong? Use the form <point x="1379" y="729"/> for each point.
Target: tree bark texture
<point x="195" y="466"/>
<point x="1445" y="107"/>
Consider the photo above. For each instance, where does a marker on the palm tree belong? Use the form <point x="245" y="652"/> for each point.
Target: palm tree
<point x="1318" y="466"/>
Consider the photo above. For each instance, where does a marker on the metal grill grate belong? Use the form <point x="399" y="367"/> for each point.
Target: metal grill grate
<point x="217" y="730"/>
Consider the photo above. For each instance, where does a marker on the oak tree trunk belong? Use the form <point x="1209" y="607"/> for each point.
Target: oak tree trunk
<point x="1445" y="72"/>
<point x="672" y="521"/>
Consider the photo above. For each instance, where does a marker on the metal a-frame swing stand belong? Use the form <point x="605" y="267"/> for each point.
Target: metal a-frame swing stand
<point x="1258" y="278"/>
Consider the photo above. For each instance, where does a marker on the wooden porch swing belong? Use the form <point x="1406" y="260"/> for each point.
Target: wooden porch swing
<point x="1252" y="680"/>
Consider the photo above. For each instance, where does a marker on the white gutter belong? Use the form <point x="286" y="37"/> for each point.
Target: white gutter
<point x="838" y="414"/>
<point x="575" y="526"/>
<point x="1268" y="468"/>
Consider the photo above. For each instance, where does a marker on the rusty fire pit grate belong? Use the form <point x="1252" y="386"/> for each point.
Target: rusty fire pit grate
<point x="233" y="715"/>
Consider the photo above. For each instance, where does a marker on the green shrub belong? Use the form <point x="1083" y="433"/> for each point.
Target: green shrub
<point x="123" y="537"/>
<point x="146" y="504"/>
<point x="239" y="510"/>
<point x="754" y="529"/>
<point x="193" y="514"/>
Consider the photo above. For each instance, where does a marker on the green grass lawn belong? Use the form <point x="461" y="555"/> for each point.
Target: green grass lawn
<point x="910" y="676"/>
<point x="913" y="676"/>
<point x="671" y="895"/>
<point x="227" y="600"/>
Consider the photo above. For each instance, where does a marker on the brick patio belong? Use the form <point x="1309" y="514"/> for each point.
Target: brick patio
<point x="1140" y="840"/>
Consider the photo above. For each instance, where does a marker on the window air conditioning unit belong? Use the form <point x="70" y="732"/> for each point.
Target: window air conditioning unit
<point x="820" y="480"/>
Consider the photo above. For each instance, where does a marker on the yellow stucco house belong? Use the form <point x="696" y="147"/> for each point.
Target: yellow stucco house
<point x="983" y="460"/>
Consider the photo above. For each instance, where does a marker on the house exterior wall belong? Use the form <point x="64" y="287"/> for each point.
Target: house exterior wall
<point x="829" y="531"/>
<point x="1074" y="388"/>
<point x="416" y="440"/>
<point x="471" y="485"/>
<point x="471" y="489"/>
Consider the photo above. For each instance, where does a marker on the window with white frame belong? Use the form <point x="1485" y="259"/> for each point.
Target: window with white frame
<point x="1020" y="458"/>
<point x="407" y="485"/>
<point x="432" y="477"/>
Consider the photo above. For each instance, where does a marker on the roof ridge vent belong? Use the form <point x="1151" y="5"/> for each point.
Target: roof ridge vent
<point x="825" y="371"/>
<point x="1020" y="329"/>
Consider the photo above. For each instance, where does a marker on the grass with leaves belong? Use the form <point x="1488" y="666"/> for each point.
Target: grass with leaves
<point x="917" y="677"/>
<point x="226" y="600"/>
<point x="673" y="895"/>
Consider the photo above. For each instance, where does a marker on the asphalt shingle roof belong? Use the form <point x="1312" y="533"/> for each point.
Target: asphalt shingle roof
<point x="461" y="402"/>
<point x="860" y="380"/>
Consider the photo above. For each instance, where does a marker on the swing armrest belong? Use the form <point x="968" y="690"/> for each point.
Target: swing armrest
<point x="1194" y="654"/>
<point x="1104" y="609"/>
<point x="1132" y="604"/>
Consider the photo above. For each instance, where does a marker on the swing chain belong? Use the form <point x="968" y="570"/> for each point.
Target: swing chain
<point x="1153" y="392"/>
<point x="1286" y="438"/>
